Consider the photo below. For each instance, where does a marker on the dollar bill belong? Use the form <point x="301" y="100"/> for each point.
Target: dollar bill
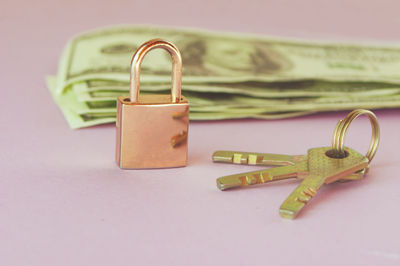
<point x="106" y="90"/>
<point x="68" y="105"/>
<point x="221" y="106"/>
<point x="105" y="54"/>
<point x="80" y="114"/>
<point x="226" y="76"/>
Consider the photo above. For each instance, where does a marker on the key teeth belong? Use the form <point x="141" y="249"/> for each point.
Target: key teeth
<point x="303" y="200"/>
<point x="309" y="193"/>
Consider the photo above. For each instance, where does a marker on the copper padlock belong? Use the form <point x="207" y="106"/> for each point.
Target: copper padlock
<point x="152" y="130"/>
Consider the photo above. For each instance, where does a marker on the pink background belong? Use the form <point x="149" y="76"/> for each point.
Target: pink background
<point x="63" y="201"/>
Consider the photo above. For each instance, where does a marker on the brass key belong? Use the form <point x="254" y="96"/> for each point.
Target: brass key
<point x="321" y="169"/>
<point x="292" y="167"/>
<point x="252" y="158"/>
<point x="316" y="169"/>
<point x="320" y="166"/>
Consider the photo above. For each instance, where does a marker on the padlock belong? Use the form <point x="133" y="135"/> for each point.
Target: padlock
<point x="152" y="130"/>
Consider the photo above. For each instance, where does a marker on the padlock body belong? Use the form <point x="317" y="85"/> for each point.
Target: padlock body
<point x="152" y="133"/>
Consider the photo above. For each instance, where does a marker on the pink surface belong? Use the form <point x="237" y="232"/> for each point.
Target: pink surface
<point x="63" y="201"/>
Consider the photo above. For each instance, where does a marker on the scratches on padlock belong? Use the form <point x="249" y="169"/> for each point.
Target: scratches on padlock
<point x="179" y="139"/>
<point x="181" y="115"/>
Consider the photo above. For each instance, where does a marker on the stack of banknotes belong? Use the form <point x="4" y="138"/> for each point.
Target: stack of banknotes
<point x="225" y="76"/>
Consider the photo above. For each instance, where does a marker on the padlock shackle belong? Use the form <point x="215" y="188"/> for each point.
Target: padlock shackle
<point x="176" y="82"/>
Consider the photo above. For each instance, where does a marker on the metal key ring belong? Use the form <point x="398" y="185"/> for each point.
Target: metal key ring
<point x="343" y="125"/>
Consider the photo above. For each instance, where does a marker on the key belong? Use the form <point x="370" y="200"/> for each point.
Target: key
<point x="320" y="166"/>
<point x="315" y="168"/>
<point x="252" y="158"/>
<point x="263" y="176"/>
<point x="292" y="169"/>
<point x="322" y="169"/>
<point x="295" y="168"/>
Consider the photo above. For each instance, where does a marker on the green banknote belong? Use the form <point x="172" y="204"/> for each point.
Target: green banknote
<point x="90" y="91"/>
<point x="215" y="106"/>
<point x="69" y="104"/>
<point x="226" y="76"/>
<point x="215" y="57"/>
<point x="83" y="114"/>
